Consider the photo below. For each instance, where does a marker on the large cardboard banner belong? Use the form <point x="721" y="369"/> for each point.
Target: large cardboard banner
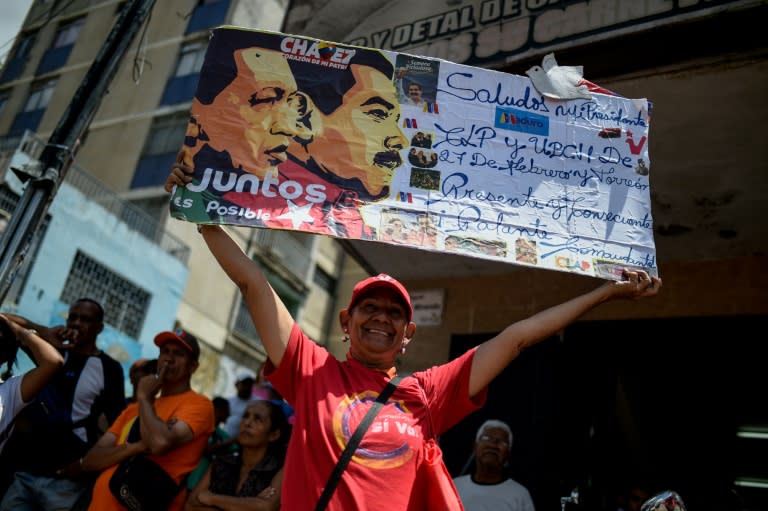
<point x="294" y="133"/>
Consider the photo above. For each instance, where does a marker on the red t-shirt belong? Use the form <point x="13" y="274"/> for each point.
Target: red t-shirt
<point x="331" y="398"/>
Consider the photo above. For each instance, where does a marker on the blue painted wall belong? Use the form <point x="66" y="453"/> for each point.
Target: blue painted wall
<point x="79" y="223"/>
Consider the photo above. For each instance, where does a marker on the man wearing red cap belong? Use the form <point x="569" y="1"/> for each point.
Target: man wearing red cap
<point x="171" y="429"/>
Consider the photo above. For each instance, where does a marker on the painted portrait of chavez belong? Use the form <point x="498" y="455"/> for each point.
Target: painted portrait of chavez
<point x="319" y="141"/>
<point x="248" y="123"/>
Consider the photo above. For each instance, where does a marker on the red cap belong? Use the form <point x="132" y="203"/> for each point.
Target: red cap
<point x="182" y="337"/>
<point x="382" y="280"/>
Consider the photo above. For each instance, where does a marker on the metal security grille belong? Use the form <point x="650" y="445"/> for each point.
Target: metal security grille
<point x="8" y="201"/>
<point x="125" y="304"/>
<point x="324" y="280"/>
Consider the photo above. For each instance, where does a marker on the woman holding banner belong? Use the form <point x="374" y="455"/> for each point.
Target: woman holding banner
<point x="331" y="396"/>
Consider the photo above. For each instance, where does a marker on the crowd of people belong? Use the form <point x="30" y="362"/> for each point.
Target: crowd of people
<point x="72" y="440"/>
<point x="70" y="432"/>
<point x="76" y="442"/>
<point x="75" y="439"/>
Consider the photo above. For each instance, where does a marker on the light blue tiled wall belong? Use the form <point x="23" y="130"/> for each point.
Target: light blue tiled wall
<point x="79" y="223"/>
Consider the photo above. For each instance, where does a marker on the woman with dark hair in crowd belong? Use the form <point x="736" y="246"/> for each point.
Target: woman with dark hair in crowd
<point x="251" y="478"/>
<point x="16" y="392"/>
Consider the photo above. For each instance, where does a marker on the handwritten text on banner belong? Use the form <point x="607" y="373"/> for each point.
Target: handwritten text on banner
<point x="300" y="134"/>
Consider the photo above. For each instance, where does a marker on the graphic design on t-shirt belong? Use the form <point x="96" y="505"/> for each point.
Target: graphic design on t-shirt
<point x="390" y="439"/>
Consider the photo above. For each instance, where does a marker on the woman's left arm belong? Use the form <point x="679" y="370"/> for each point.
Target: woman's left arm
<point x="193" y="502"/>
<point x="495" y="354"/>
<point x="267" y="500"/>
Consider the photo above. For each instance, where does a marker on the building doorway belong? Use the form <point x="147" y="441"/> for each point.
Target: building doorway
<point x="656" y="401"/>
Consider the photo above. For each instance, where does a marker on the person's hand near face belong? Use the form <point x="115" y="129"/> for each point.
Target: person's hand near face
<point x="148" y="386"/>
<point x="84" y="323"/>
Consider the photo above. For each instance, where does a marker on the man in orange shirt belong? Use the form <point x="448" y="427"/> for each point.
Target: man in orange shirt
<point x="172" y="430"/>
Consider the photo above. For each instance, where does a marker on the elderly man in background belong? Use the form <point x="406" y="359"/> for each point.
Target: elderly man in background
<point x="489" y="488"/>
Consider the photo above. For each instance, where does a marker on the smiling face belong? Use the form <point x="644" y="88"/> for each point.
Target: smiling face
<point x="361" y="139"/>
<point x="414" y="92"/>
<point x="378" y="328"/>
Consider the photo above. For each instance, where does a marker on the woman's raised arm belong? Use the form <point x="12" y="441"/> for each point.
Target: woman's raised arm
<point x="270" y="316"/>
<point x="47" y="359"/>
<point x="495" y="354"/>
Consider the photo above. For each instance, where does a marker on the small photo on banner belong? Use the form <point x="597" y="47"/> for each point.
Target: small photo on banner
<point x="409" y="227"/>
<point x="425" y="179"/>
<point x="422" y="139"/>
<point x="473" y="245"/>
<point x="416" y="81"/>
<point x="525" y="251"/>
<point x="424" y="158"/>
<point x="613" y="270"/>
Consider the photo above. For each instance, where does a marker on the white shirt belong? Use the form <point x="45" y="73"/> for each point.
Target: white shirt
<point x="507" y="495"/>
<point x="10" y="403"/>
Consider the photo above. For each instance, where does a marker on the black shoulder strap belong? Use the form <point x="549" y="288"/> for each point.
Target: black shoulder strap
<point x="354" y="441"/>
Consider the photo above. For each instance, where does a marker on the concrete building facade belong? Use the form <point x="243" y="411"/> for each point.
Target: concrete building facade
<point x="130" y="145"/>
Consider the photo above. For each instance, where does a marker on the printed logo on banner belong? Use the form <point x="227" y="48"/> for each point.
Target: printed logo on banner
<point x="519" y="120"/>
<point x="316" y="52"/>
